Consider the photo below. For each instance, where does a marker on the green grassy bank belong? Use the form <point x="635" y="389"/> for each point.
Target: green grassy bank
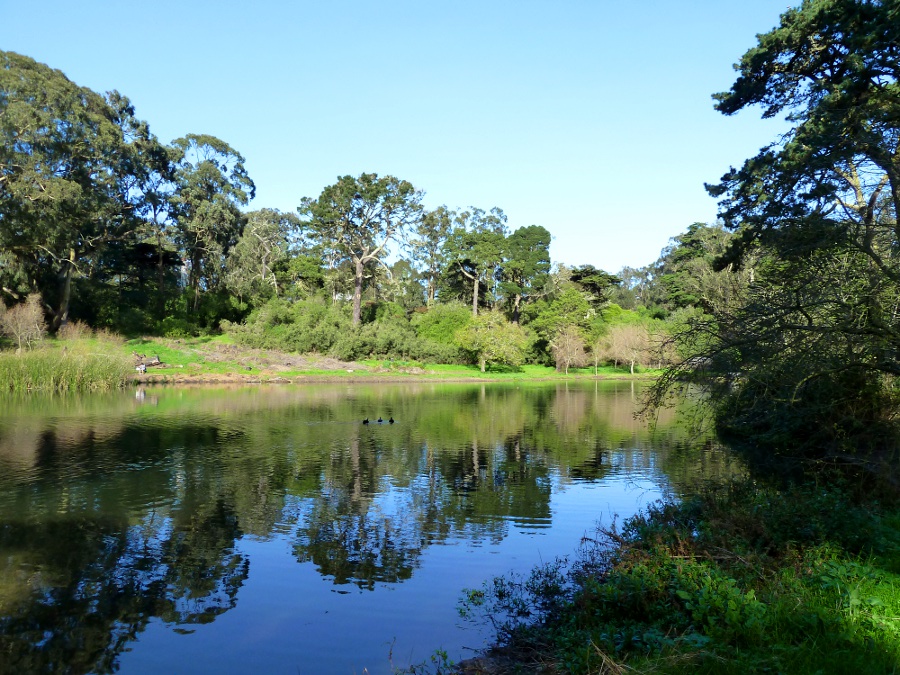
<point x="83" y="364"/>
<point x="89" y="361"/>
<point x="220" y="358"/>
<point x="739" y="579"/>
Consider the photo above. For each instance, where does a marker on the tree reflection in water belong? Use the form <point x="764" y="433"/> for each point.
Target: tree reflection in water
<point x="115" y="513"/>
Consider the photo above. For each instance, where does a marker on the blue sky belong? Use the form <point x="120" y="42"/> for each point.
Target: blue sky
<point x="591" y="118"/>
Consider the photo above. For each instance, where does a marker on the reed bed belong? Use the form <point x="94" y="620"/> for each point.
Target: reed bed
<point x="95" y="366"/>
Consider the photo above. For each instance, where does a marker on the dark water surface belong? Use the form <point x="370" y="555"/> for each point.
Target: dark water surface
<point x="248" y="529"/>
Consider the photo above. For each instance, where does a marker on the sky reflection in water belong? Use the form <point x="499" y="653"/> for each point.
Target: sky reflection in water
<point x="248" y="529"/>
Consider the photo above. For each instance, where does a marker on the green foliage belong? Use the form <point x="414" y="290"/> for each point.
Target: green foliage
<point x="441" y="322"/>
<point x="355" y="219"/>
<point x="492" y="339"/>
<point x="474" y="252"/>
<point x="254" y="262"/>
<point x="308" y="326"/>
<point x="84" y="365"/>
<point x="212" y="184"/>
<point x="803" y="365"/>
<point x="384" y="339"/>
<point x="571" y="307"/>
<point x="526" y="266"/>
<point x="76" y="176"/>
<point x="737" y="579"/>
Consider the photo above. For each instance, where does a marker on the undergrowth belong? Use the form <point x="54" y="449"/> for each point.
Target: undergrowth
<point x="738" y="579"/>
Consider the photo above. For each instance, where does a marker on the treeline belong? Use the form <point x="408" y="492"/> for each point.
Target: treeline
<point x="106" y="225"/>
<point x="803" y="359"/>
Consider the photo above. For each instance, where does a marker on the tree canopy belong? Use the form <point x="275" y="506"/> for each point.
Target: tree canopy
<point x="357" y="218"/>
<point x="808" y="358"/>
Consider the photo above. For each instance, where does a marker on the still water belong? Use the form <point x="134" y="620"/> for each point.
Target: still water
<point x="266" y="529"/>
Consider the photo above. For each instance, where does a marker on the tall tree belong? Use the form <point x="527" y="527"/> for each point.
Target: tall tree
<point x="262" y="249"/>
<point x="693" y="273"/>
<point x="74" y="172"/>
<point x="596" y="284"/>
<point x="475" y="248"/>
<point x="427" y="246"/>
<point x="526" y="265"/>
<point x="817" y="339"/>
<point x="357" y="218"/>
<point x="212" y="185"/>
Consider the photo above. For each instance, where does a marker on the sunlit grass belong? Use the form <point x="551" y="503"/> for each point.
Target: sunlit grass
<point x="219" y="356"/>
<point x="83" y="364"/>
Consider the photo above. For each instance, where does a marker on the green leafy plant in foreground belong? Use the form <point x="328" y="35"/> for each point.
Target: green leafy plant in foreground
<point x="738" y="579"/>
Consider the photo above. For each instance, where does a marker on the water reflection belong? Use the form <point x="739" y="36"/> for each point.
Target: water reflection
<point x="119" y="510"/>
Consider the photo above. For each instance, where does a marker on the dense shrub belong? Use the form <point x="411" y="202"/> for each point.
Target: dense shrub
<point x="441" y="322"/>
<point x="304" y="326"/>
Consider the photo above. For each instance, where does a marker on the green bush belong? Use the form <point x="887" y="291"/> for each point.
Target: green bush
<point x="441" y="322"/>
<point x="304" y="326"/>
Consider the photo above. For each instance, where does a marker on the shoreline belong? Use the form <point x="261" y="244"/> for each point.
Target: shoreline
<point x="376" y="378"/>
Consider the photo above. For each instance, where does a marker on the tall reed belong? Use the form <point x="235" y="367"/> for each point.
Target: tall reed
<point x="81" y="368"/>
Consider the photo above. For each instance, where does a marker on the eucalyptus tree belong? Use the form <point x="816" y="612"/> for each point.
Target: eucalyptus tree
<point x="212" y="185"/>
<point x="818" y="336"/>
<point x="356" y="219"/>
<point x="261" y="252"/>
<point x="474" y="249"/>
<point x="427" y="246"/>
<point x="526" y="266"/>
<point x="75" y="168"/>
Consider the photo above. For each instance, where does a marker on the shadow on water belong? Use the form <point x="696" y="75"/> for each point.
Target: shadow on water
<point x="121" y="510"/>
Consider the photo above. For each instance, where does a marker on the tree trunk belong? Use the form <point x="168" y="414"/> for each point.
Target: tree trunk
<point x="483" y="363"/>
<point x="475" y="296"/>
<point x="160" y="279"/>
<point x="515" y="312"/>
<point x="62" y="316"/>
<point x="632" y="367"/>
<point x="357" y="293"/>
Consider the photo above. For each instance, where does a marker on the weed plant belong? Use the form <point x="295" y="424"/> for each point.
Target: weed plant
<point x="82" y="363"/>
<point x="739" y="579"/>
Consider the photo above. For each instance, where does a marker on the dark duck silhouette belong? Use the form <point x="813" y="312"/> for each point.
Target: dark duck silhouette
<point x="380" y="420"/>
<point x="366" y="421"/>
<point x="391" y="421"/>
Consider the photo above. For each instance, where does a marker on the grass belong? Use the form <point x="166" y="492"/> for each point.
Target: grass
<point x="739" y="579"/>
<point x="220" y="356"/>
<point x="90" y="363"/>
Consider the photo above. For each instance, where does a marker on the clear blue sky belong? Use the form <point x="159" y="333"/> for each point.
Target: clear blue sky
<point x="591" y="118"/>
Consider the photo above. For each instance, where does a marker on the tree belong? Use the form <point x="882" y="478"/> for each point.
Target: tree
<point x="569" y="308"/>
<point x="630" y="343"/>
<point x="597" y="284"/>
<point x="428" y="246"/>
<point x="493" y="339"/>
<point x="261" y="250"/>
<point x="212" y="185"/>
<point x="692" y="272"/>
<point x="24" y="322"/>
<point x="807" y="364"/>
<point x="526" y="265"/>
<point x="404" y="285"/>
<point x="475" y="248"/>
<point x="74" y="173"/>
<point x="357" y="218"/>
<point x="568" y="348"/>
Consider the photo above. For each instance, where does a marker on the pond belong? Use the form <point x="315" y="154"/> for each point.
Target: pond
<point x="267" y="529"/>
